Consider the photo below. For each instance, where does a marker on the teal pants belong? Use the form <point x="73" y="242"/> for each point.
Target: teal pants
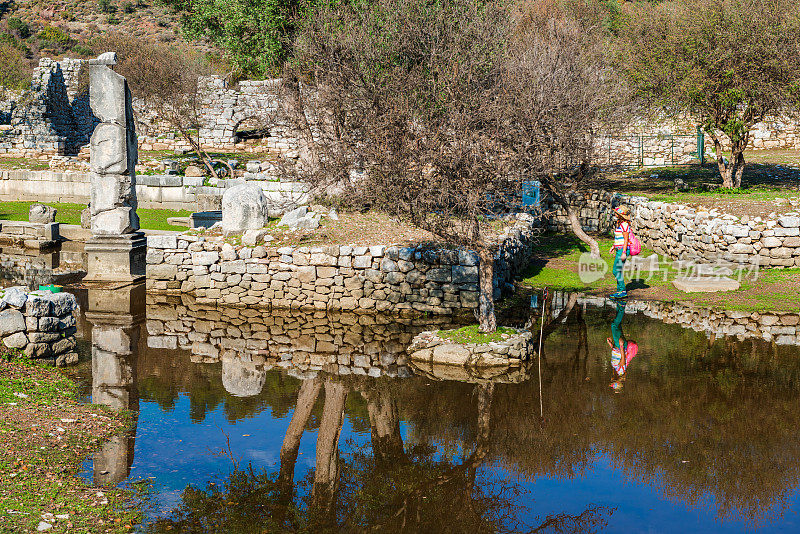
<point x="617" y="270"/>
<point x="616" y="326"/>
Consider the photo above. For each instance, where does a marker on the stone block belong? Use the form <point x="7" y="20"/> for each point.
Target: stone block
<point x="38" y="306"/>
<point x="442" y="274"/>
<point x="205" y="258"/>
<point x="162" y="271"/>
<point x="244" y="207"/>
<point x="121" y="220"/>
<point x="16" y="341"/>
<point x="464" y="274"/>
<point x="362" y="262"/>
<point x="705" y="284"/>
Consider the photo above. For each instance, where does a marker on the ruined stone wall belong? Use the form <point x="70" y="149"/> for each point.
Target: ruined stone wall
<point x="683" y="232"/>
<point x="393" y="279"/>
<point x="40" y="324"/>
<point x="54" y="118"/>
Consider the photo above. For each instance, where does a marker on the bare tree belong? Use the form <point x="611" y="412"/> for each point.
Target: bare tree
<point x="169" y="80"/>
<point x="416" y="115"/>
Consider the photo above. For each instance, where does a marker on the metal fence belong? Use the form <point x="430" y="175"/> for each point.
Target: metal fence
<point x="652" y="150"/>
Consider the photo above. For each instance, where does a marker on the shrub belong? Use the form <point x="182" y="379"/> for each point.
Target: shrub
<point x="128" y="7"/>
<point x="106" y="6"/>
<point x="112" y="19"/>
<point x="16" y="71"/>
<point x="82" y="50"/>
<point x="20" y="27"/>
<point x="53" y="35"/>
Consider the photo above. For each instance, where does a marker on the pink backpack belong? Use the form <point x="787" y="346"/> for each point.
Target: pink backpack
<point x="634" y="245"/>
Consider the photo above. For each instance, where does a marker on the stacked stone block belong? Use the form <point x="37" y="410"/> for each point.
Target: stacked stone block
<point x="41" y="324"/>
<point x="380" y="278"/>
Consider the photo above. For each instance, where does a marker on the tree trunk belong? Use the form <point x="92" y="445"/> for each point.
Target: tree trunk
<point x="738" y="169"/>
<point x="733" y="170"/>
<point x="577" y="229"/>
<point x="327" y="468"/>
<point x="574" y="221"/>
<point x="309" y="390"/>
<point x="384" y="419"/>
<point x="487" y="322"/>
<point x="306" y="398"/>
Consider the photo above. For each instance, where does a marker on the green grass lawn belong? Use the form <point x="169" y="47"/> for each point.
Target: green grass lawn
<point x="149" y="219"/>
<point x="561" y="272"/>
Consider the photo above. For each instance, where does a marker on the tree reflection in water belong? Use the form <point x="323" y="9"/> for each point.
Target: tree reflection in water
<point x="388" y="486"/>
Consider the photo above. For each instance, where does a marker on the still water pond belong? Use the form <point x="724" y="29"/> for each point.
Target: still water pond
<point x="255" y="422"/>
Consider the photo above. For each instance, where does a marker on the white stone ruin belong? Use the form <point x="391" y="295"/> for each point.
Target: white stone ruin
<point x="116" y="251"/>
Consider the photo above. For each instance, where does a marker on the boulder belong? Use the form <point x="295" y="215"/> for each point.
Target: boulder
<point x="244" y="207"/>
<point x="193" y="171"/>
<point x="15" y="296"/>
<point x="39" y="213"/>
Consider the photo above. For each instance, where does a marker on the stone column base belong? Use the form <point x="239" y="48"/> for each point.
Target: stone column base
<point x="116" y="258"/>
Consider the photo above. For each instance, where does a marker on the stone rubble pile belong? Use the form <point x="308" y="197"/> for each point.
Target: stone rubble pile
<point x="379" y="278"/>
<point x="429" y="347"/>
<point x="41" y="324"/>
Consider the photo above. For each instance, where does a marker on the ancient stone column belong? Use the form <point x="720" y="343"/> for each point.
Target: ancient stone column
<point x="116" y="251"/>
<point x="116" y="316"/>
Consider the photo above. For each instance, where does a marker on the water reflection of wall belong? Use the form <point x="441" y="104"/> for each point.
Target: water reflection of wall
<point x="250" y="341"/>
<point x="782" y="328"/>
<point x="32" y="268"/>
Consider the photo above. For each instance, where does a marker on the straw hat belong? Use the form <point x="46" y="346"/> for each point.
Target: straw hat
<point x="623" y="212"/>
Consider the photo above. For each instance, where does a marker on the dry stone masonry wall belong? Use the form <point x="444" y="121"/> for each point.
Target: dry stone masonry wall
<point x="683" y="232"/>
<point x="395" y="279"/>
<point x="41" y="324"/>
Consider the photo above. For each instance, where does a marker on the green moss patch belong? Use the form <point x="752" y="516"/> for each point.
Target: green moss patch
<point x="471" y="334"/>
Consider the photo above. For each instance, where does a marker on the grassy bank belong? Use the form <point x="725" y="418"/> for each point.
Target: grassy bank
<point x="556" y="267"/>
<point x="149" y="219"/>
<point x="45" y="435"/>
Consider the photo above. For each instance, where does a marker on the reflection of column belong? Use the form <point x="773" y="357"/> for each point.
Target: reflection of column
<point x="116" y="316"/>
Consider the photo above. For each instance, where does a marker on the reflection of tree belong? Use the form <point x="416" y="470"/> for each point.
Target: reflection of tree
<point x="385" y="489"/>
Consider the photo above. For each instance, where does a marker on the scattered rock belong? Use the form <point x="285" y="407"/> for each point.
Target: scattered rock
<point x="193" y="171"/>
<point x="39" y="213"/>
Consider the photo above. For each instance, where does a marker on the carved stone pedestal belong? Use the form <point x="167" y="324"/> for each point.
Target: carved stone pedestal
<point x="116" y="258"/>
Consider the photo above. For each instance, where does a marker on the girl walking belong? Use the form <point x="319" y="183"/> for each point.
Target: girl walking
<point x="620" y="248"/>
